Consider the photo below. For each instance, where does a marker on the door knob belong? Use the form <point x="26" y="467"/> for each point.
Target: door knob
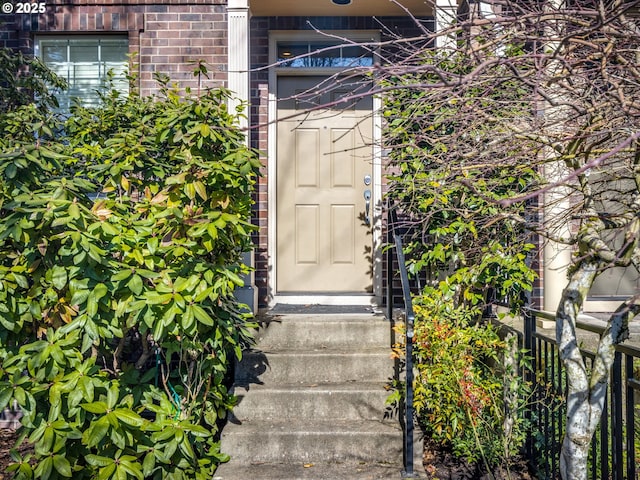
<point x="367" y="206"/>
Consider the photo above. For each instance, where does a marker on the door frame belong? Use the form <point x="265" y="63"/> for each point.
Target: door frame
<point x="276" y="36"/>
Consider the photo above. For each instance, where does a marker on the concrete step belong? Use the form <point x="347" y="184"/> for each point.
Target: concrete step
<point x="312" y="402"/>
<point x="308" y="367"/>
<point x="347" y="401"/>
<point x="310" y="471"/>
<point x="314" y="332"/>
<point x="312" y="441"/>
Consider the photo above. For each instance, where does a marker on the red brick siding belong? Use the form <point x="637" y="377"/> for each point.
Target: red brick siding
<point x="167" y="35"/>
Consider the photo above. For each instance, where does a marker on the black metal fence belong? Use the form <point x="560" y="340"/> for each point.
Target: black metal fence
<point x="615" y="450"/>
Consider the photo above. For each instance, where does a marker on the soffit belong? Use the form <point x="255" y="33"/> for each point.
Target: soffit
<point x="289" y="8"/>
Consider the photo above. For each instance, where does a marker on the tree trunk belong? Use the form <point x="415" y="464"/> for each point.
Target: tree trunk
<point x="578" y="432"/>
<point x="586" y="394"/>
<point x="573" y="457"/>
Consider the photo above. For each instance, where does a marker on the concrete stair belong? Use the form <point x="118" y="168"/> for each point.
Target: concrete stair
<point x="312" y="402"/>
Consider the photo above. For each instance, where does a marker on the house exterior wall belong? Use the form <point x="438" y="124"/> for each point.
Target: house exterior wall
<point x="166" y="34"/>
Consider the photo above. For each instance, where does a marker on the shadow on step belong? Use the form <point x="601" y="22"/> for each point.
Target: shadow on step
<point x="248" y="372"/>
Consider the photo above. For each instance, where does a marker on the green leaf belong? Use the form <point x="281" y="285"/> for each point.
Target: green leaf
<point x="6" y="392"/>
<point x="106" y="472"/>
<point x="100" y="290"/>
<point x="201" y="190"/>
<point x="79" y="297"/>
<point x="155" y="298"/>
<point x="59" y="277"/>
<point x="165" y="434"/>
<point x="202" y="316"/>
<point x="118" y="437"/>
<point x="62" y="465"/>
<point x="95" y="407"/>
<point x="44" y="468"/>
<point x="148" y="464"/>
<point x="11" y="171"/>
<point x="197" y="430"/>
<point x="129" y="417"/>
<point x="185" y="448"/>
<point x="74" y="210"/>
<point x="95" y="433"/>
<point x="121" y="275"/>
<point x="135" y="284"/>
<point x="98" y="461"/>
<point x="187" y="318"/>
<point x="132" y="468"/>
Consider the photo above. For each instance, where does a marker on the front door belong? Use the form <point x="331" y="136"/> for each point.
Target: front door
<point x="324" y="188"/>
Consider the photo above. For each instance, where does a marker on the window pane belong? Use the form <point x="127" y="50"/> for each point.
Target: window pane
<point x="325" y="55"/>
<point x="83" y="52"/>
<point x="90" y="58"/>
<point x="86" y="72"/>
<point x="114" y="51"/>
<point x="288" y="51"/>
<point x="54" y="52"/>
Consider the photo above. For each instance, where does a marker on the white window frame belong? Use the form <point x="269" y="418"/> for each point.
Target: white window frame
<point x="66" y="99"/>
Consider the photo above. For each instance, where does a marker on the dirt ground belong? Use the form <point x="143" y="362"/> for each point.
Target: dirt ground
<point x="441" y="465"/>
<point x="7" y="441"/>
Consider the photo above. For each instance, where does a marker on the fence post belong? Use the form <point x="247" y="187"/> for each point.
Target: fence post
<point x="529" y="323"/>
<point x="389" y="262"/>
<point x="630" y="416"/>
<point x="616" y="417"/>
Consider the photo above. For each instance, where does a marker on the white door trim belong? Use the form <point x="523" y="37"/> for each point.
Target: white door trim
<point x="275" y="37"/>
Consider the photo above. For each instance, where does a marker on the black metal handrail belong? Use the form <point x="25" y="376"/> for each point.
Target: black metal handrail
<point x="408" y="431"/>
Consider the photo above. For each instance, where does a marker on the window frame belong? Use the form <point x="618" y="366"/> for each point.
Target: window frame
<point x="85" y="94"/>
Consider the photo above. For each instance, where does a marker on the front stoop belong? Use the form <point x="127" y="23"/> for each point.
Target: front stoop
<point x="312" y="402"/>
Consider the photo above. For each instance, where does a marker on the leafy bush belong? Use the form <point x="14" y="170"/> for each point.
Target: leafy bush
<point x="464" y="247"/>
<point x="121" y="234"/>
<point x="460" y="386"/>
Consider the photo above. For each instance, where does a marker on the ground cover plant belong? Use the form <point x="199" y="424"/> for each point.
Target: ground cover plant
<point x="121" y="234"/>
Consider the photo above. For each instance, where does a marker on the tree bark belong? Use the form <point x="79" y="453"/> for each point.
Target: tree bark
<point x="579" y="429"/>
<point x="586" y="394"/>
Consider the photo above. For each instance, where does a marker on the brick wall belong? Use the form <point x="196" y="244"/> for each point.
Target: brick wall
<point x="167" y="35"/>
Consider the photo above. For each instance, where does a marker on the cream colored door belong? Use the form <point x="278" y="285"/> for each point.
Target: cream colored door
<point x="324" y="171"/>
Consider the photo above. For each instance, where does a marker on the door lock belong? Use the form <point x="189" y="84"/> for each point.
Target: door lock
<point x="367" y="206"/>
<point x="367" y="179"/>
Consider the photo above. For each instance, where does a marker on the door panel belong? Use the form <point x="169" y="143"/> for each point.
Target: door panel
<point x="306" y="234"/>
<point x="323" y="156"/>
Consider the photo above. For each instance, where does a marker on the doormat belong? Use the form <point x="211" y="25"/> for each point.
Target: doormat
<point x="316" y="309"/>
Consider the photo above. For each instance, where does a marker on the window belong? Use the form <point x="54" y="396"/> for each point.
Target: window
<point x="322" y="55"/>
<point x="84" y="63"/>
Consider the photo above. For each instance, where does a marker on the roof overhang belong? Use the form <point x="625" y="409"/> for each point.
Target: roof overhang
<point x="288" y="8"/>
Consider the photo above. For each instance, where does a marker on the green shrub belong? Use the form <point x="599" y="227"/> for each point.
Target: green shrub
<point x="463" y="245"/>
<point x="459" y="392"/>
<point x="121" y="234"/>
